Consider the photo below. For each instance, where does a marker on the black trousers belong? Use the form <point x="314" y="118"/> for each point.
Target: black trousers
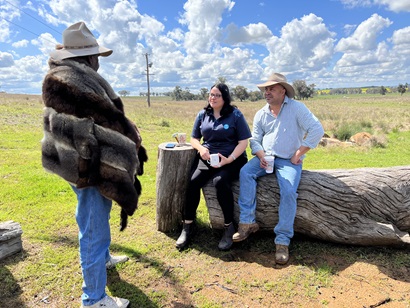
<point x="222" y="179"/>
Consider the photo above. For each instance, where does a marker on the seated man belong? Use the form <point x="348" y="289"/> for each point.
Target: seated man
<point x="286" y="129"/>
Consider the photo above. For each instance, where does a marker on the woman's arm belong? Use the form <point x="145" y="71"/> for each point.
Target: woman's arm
<point x="203" y="151"/>
<point x="239" y="149"/>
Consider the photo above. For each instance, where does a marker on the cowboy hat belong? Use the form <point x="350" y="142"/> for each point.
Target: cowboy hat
<point x="78" y="41"/>
<point x="276" y="78"/>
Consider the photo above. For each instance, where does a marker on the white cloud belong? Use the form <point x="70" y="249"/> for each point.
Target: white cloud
<point x="45" y="43"/>
<point x="26" y="73"/>
<point x="395" y="5"/>
<point x="305" y="44"/>
<point x="194" y="54"/>
<point x="391" y="5"/>
<point x="176" y="34"/>
<point x="9" y="11"/>
<point x="203" y="19"/>
<point x="4" y="31"/>
<point x="401" y="40"/>
<point x="250" y="34"/>
<point x="6" y="59"/>
<point x="20" y="44"/>
<point x="365" y="36"/>
<point x="354" y="3"/>
<point x="348" y="29"/>
<point x="366" y="60"/>
<point x="401" y="48"/>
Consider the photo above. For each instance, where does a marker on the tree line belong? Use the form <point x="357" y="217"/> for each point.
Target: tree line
<point x="302" y="92"/>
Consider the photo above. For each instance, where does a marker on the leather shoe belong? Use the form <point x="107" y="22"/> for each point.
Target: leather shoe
<point x="244" y="230"/>
<point x="282" y="254"/>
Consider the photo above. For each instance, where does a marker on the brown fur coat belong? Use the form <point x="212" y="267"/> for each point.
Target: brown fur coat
<point x="88" y="140"/>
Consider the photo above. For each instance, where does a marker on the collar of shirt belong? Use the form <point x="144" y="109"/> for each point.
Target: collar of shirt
<point x="267" y="109"/>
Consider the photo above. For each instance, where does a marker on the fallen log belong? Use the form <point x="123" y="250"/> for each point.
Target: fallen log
<point x="365" y="206"/>
<point x="10" y="238"/>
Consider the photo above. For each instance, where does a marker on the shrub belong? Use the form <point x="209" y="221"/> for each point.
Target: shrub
<point x="344" y="131"/>
<point x="164" y="123"/>
<point x="378" y="141"/>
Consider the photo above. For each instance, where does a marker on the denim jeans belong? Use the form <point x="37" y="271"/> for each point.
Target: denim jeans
<point x="288" y="176"/>
<point x="92" y="215"/>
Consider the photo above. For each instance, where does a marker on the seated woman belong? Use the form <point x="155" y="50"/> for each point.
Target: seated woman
<point x="225" y="132"/>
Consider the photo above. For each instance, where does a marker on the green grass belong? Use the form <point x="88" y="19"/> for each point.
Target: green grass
<point x="158" y="275"/>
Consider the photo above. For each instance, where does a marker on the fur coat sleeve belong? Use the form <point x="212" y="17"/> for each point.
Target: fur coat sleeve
<point x="88" y="140"/>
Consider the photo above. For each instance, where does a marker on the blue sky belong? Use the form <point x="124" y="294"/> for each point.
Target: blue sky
<point x="329" y="43"/>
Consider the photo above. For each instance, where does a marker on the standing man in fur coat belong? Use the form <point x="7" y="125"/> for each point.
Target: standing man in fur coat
<point x="90" y="143"/>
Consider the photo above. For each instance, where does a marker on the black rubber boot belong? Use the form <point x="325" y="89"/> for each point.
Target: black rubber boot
<point x="185" y="236"/>
<point x="226" y="241"/>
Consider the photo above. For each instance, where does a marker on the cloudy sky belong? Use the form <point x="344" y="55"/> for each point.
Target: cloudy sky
<point x="331" y="43"/>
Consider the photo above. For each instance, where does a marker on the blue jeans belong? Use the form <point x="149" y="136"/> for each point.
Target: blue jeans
<point x="93" y="215"/>
<point x="288" y="176"/>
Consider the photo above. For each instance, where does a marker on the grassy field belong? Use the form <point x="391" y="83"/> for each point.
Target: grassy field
<point x="47" y="272"/>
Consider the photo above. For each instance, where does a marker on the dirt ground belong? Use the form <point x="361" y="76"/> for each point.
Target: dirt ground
<point x="247" y="276"/>
<point x="317" y="275"/>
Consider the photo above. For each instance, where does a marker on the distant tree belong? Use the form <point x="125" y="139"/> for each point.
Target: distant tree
<point x="187" y="95"/>
<point x="302" y="90"/>
<point x="221" y="80"/>
<point x="240" y="93"/>
<point x="203" y="93"/>
<point x="123" y="93"/>
<point x="255" y="96"/>
<point x="402" y="88"/>
<point x="382" y="90"/>
<point x="177" y="94"/>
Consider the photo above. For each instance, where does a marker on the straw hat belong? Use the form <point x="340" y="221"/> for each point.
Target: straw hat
<point x="276" y="78"/>
<point x="78" y="41"/>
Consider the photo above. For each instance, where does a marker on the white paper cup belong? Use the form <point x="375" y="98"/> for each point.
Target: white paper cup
<point x="214" y="160"/>
<point x="270" y="160"/>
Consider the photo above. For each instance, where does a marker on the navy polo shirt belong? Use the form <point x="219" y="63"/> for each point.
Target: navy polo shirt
<point x="221" y="135"/>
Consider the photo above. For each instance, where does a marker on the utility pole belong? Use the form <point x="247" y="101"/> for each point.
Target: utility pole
<point x="149" y="64"/>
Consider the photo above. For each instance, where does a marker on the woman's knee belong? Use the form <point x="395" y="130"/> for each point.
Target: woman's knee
<point x="221" y="183"/>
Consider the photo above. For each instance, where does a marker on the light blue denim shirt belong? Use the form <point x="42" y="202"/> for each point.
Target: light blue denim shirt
<point x="294" y="126"/>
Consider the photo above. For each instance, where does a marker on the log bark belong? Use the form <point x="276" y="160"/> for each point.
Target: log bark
<point x="366" y="206"/>
<point x="10" y="238"/>
<point x="173" y="170"/>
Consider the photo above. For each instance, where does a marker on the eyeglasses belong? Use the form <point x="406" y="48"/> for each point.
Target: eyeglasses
<point x="215" y="95"/>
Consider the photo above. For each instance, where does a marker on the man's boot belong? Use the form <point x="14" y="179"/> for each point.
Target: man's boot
<point x="244" y="230"/>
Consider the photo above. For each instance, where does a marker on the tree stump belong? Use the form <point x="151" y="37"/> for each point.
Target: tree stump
<point x="173" y="171"/>
<point x="366" y="206"/>
<point x="10" y="239"/>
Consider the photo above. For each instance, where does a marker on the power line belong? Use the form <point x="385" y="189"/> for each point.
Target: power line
<point x="32" y="17"/>
<point x="27" y="30"/>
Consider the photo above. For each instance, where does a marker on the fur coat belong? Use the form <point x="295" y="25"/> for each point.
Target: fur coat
<point x="88" y="140"/>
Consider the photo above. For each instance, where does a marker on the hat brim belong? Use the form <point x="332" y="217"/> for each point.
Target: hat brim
<point x="290" y="91"/>
<point x="61" y="54"/>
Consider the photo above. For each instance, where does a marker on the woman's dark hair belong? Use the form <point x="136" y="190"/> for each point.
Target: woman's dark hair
<point x="226" y="96"/>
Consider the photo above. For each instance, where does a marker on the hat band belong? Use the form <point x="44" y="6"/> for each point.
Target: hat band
<point x="81" y="47"/>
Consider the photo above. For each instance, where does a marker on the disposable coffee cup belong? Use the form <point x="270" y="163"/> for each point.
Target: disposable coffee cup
<point x="270" y="160"/>
<point x="214" y="160"/>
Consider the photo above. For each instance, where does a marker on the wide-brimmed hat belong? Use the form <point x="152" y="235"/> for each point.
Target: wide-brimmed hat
<point x="78" y="41"/>
<point x="276" y="78"/>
